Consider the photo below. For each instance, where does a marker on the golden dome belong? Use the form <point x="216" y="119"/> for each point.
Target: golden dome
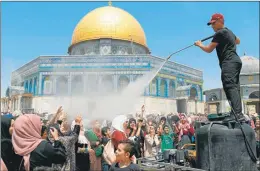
<point x="109" y="22"/>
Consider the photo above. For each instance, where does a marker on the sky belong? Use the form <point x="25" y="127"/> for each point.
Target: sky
<point x="31" y="29"/>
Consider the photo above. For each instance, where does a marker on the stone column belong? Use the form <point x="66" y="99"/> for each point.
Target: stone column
<point x="99" y="77"/>
<point x="131" y="78"/>
<point x="69" y="84"/>
<point x="32" y="91"/>
<point x="158" y="86"/>
<point x="147" y="90"/>
<point x="12" y="104"/>
<point x="40" y="85"/>
<point x="6" y="105"/>
<point x="2" y="105"/>
<point x="19" y="103"/>
<point x="167" y="87"/>
<point x="16" y="104"/>
<point x="115" y="82"/>
<point x="54" y="83"/>
<point x="85" y="80"/>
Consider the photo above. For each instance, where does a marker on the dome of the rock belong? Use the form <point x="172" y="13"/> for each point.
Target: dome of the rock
<point x="250" y="65"/>
<point x="108" y="22"/>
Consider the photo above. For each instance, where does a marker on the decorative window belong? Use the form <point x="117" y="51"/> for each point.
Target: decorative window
<point x="47" y="87"/>
<point x="163" y="88"/>
<point x="146" y="90"/>
<point x="153" y="87"/>
<point x="172" y="90"/>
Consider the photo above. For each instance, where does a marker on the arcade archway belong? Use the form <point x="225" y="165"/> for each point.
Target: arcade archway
<point x="77" y="85"/>
<point x="62" y="86"/>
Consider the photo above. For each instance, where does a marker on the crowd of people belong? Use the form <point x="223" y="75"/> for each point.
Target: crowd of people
<point x="28" y="143"/>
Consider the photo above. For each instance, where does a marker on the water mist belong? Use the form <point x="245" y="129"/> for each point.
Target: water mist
<point x="99" y="102"/>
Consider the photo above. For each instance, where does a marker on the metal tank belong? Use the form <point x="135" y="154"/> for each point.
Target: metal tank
<point x="221" y="146"/>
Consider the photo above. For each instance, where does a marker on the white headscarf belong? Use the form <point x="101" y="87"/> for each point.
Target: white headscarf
<point x="72" y="125"/>
<point x="81" y="138"/>
<point x="118" y="123"/>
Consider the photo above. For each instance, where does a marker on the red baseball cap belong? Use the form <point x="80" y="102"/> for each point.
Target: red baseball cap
<point x="215" y="17"/>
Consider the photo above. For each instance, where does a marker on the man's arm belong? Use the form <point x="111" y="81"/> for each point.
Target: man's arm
<point x="237" y="40"/>
<point x="208" y="48"/>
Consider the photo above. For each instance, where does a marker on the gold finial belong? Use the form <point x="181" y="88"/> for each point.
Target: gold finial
<point x="110" y="3"/>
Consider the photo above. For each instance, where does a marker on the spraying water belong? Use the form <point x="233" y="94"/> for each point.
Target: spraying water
<point x="124" y="102"/>
<point x="102" y="103"/>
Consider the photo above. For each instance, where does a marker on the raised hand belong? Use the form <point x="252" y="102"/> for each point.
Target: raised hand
<point x="60" y="109"/>
<point x="78" y="120"/>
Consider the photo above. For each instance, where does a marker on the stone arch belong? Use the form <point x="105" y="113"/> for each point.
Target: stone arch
<point x="30" y="86"/>
<point x="77" y="85"/>
<point x="47" y="85"/>
<point x="26" y="86"/>
<point x="172" y="89"/>
<point x="123" y="82"/>
<point x="62" y="85"/>
<point x="254" y="95"/>
<point x="213" y="97"/>
<point x="35" y="86"/>
<point x="193" y="93"/>
<point x="201" y="93"/>
<point x="163" y="88"/>
<point x="92" y="83"/>
<point x="107" y="83"/>
<point x="137" y="77"/>
<point x="153" y="87"/>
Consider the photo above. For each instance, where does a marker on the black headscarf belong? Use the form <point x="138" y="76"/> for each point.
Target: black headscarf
<point x="5" y="125"/>
<point x="131" y="120"/>
<point x="129" y="123"/>
<point x="44" y="128"/>
<point x="56" y="126"/>
<point x="10" y="159"/>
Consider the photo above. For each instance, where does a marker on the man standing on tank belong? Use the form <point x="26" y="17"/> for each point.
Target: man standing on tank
<point x="230" y="63"/>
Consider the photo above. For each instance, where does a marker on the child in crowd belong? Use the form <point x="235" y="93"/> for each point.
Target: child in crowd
<point x="105" y="131"/>
<point x="124" y="154"/>
<point x="167" y="139"/>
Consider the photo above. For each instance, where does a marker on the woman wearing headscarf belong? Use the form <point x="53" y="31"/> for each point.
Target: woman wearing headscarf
<point x="83" y="150"/>
<point x="10" y="159"/>
<point x="152" y="143"/>
<point x="185" y="131"/>
<point x="162" y="123"/>
<point x="94" y="136"/>
<point x="137" y="135"/>
<point x="119" y="127"/>
<point x="69" y="139"/>
<point x="28" y="143"/>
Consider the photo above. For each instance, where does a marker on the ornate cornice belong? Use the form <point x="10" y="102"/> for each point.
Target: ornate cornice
<point x="111" y="63"/>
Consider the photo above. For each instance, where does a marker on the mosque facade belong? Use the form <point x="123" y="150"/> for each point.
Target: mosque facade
<point x="107" y="52"/>
<point x="216" y="101"/>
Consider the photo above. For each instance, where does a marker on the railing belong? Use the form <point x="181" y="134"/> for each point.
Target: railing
<point x="157" y="163"/>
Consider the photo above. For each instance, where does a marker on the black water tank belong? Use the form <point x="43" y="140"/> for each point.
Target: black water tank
<point x="221" y="147"/>
<point x="198" y="124"/>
